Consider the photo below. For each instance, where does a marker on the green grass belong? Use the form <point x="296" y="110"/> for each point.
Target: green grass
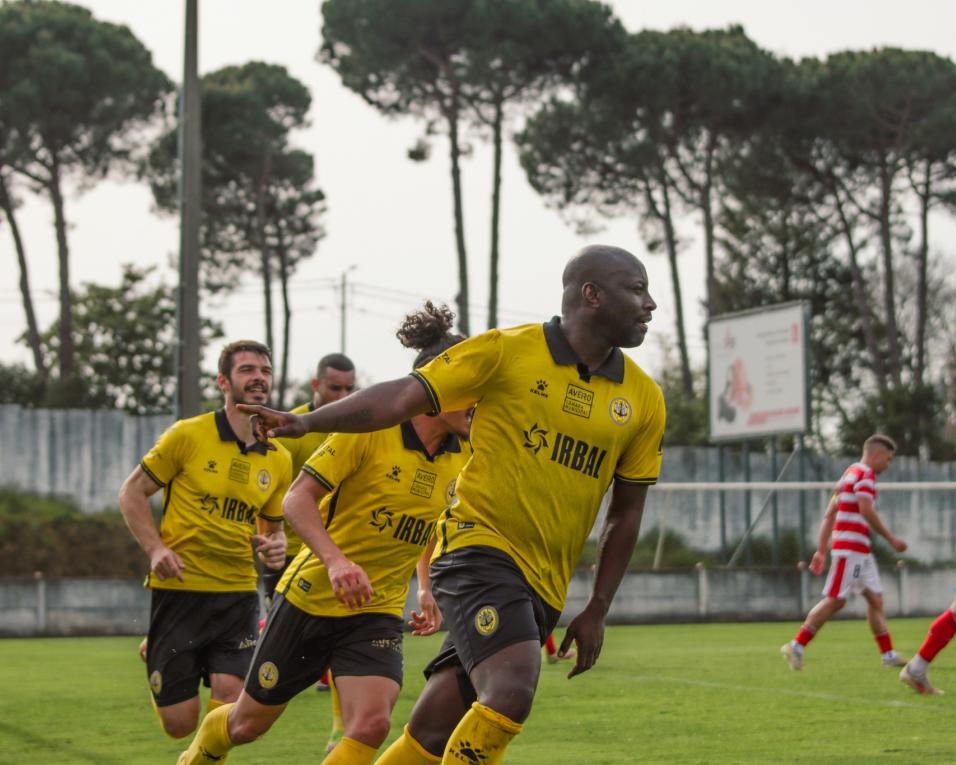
<point x="716" y="693"/>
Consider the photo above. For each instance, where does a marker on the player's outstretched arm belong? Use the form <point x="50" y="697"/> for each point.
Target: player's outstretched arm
<point x="374" y="408"/>
<point x="615" y="547"/>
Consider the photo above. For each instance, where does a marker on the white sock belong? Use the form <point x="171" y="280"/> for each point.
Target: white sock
<point x="919" y="665"/>
<point x="891" y="654"/>
<point x="796" y="647"/>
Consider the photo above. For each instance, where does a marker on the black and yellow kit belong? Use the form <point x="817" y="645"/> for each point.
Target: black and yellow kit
<point x="385" y="495"/>
<point x="548" y="438"/>
<point x="214" y="489"/>
<point x="300" y="449"/>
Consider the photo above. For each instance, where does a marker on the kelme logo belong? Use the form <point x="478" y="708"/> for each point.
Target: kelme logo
<point x="465" y="751"/>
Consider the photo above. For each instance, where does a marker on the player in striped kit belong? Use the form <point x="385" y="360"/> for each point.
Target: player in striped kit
<point x="846" y="528"/>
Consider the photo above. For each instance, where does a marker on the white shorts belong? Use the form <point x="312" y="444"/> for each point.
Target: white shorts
<point x="852" y="573"/>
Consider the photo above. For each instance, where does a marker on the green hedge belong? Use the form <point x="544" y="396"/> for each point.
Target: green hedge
<point x="53" y="536"/>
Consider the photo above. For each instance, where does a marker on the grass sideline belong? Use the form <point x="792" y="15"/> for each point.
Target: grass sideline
<point x="712" y="693"/>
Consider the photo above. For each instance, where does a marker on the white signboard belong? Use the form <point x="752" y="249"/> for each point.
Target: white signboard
<point x="758" y="372"/>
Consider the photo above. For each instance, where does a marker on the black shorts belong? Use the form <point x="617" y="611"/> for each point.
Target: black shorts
<point x="296" y="648"/>
<point x="194" y="634"/>
<point x="487" y="605"/>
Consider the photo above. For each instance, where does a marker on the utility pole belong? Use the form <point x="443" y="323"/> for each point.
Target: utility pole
<point x="190" y="158"/>
<point x="342" y="306"/>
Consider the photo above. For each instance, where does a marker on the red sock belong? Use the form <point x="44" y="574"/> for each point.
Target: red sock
<point x="325" y="678"/>
<point x="804" y="635"/>
<point x="884" y="641"/>
<point x="549" y="646"/>
<point x="940" y="633"/>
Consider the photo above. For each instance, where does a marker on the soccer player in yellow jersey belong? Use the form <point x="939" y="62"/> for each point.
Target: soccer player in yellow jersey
<point x="341" y="600"/>
<point x="561" y="414"/>
<point x="222" y="495"/>
<point x="334" y="379"/>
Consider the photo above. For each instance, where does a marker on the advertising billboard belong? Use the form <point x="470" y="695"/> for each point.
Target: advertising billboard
<point x="758" y="372"/>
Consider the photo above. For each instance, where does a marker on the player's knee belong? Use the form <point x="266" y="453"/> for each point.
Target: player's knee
<point x="371" y="729"/>
<point x="513" y="700"/>
<point x="176" y="727"/>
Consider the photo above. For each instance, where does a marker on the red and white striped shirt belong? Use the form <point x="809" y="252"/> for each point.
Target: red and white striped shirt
<point x="851" y="532"/>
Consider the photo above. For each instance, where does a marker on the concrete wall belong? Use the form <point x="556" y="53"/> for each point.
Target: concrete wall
<point x="60" y="607"/>
<point x="81" y="454"/>
<point x="86" y="455"/>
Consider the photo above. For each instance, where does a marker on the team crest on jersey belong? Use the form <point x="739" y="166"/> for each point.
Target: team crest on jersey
<point x="268" y="674"/>
<point x="620" y="411"/>
<point x="450" y="491"/>
<point x="486" y="620"/>
<point x="156" y="682"/>
<point x="263" y="480"/>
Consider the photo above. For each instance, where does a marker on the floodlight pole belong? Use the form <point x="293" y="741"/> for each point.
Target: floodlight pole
<point x="190" y="157"/>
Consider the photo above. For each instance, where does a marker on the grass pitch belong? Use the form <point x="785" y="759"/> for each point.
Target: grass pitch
<point x="713" y="693"/>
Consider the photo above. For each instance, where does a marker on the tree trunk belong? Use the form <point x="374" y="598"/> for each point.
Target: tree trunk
<point x="286" y="314"/>
<point x="889" y="293"/>
<point x="33" y="333"/>
<point x="451" y="113"/>
<point x="495" y="217"/>
<point x="67" y="352"/>
<point x="924" y="192"/>
<point x="264" y="244"/>
<point x="665" y="215"/>
<point x="705" y="206"/>
<point x="860" y="297"/>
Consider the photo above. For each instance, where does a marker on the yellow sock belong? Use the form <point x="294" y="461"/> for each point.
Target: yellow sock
<point x="482" y="736"/>
<point x="350" y="752"/>
<point x="338" y="725"/>
<point x="212" y="742"/>
<point x="213" y="704"/>
<point x="405" y="750"/>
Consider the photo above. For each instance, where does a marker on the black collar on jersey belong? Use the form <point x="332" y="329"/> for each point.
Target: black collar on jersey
<point x="410" y="440"/>
<point x="226" y="433"/>
<point x="563" y="353"/>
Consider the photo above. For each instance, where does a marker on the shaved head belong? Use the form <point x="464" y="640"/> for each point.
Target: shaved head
<point x="598" y="264"/>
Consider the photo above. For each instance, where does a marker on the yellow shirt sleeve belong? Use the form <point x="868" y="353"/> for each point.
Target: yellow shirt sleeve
<point x="640" y="462"/>
<point x="456" y="379"/>
<point x="337" y="458"/>
<point x="168" y="455"/>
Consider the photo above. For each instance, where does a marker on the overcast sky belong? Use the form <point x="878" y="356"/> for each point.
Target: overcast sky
<point x="390" y="218"/>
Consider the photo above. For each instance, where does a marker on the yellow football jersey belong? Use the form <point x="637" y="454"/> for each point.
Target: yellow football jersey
<point x="385" y="495"/>
<point x="300" y="449"/>
<point x="548" y="438"/>
<point x="213" y="491"/>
